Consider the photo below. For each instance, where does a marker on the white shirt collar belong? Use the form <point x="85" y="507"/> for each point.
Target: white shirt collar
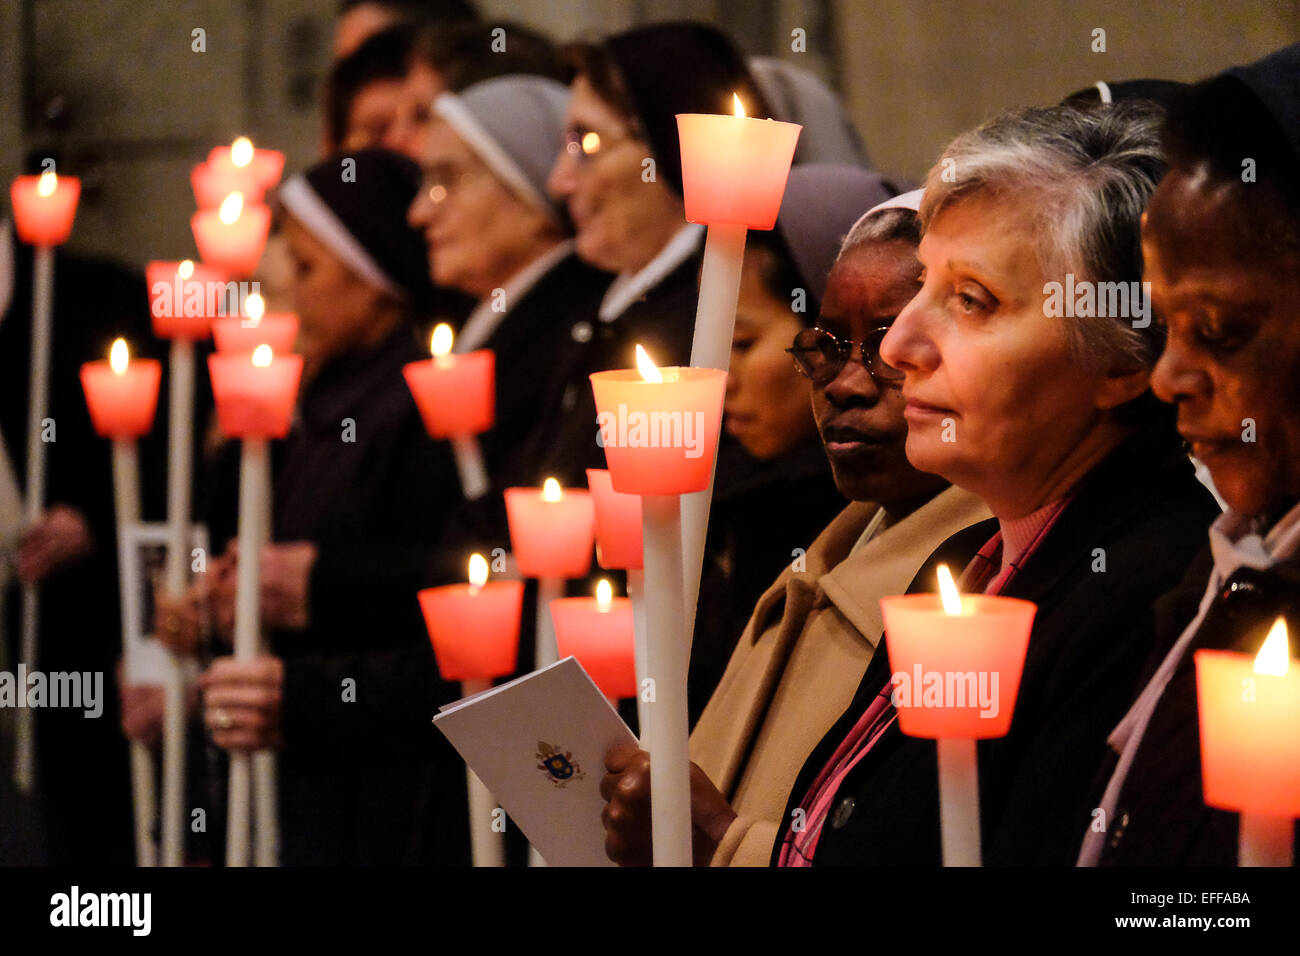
<point x="628" y="287"/>
<point x="483" y="321"/>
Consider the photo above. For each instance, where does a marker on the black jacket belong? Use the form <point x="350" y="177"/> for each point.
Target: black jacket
<point x="1143" y="507"/>
<point x="1160" y="817"/>
<point x="534" y="338"/>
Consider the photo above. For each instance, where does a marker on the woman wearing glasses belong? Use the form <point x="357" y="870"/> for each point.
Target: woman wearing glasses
<point x="619" y="175"/>
<point x="1044" y="412"/>
<point x="814" y="630"/>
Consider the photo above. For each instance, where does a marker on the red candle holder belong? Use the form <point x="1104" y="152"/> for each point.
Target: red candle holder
<point x="734" y="168"/>
<point x="956" y="675"/>
<point x="618" y="524"/>
<point x="122" y="404"/>
<point x="600" y="635"/>
<point x="455" y="393"/>
<point x="551" y="539"/>
<point x="44" y="208"/>
<point x="220" y="176"/>
<point x="660" y="437"/>
<point x="232" y="243"/>
<point x="254" y="401"/>
<point x="1250" y="748"/>
<point x="233" y="333"/>
<point x="179" y="299"/>
<point x="475" y="631"/>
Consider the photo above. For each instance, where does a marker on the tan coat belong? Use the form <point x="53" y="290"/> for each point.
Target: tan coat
<point x="802" y="657"/>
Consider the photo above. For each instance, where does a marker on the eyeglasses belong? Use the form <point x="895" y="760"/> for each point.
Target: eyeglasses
<point x="583" y="144"/>
<point x="821" y="356"/>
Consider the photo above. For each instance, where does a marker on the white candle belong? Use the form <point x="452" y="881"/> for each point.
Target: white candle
<point x="34" y="502"/>
<point x="667" y="653"/>
<point x="254" y="519"/>
<point x="179" y="467"/>
<point x="636" y="594"/>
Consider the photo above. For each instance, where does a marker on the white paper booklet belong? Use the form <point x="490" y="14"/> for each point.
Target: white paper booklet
<point x="539" y="743"/>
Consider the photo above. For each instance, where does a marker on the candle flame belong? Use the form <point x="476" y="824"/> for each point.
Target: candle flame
<point x="440" y="341"/>
<point x="185" y="269"/>
<point x="739" y="106"/>
<point x="1272" y="658"/>
<point x="948" y="591"/>
<point x="551" y="490"/>
<point x="241" y="151"/>
<point x="47" y="184"/>
<point x="604" y="595"/>
<point x="649" y="371"/>
<point x="118" y="356"/>
<point x="478" y="571"/>
<point x="262" y="356"/>
<point x="590" y="142"/>
<point x="254" y="308"/>
<point x="231" y="207"/>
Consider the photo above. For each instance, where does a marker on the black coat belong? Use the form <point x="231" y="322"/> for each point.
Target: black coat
<point x="563" y="442"/>
<point x="1160" y="817"/>
<point x="534" y="338"/>
<point x="1144" y="507"/>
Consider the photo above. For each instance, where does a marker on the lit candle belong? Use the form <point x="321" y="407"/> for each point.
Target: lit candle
<point x="1250" y="751"/>
<point x="121" y="394"/>
<point x="243" y="334"/>
<point x="122" y="397"/>
<point x="232" y="237"/>
<point x="456" y="398"/>
<point x="184" y="297"/>
<point x="236" y="168"/>
<point x="598" y="632"/>
<point x="956" y="661"/>
<point x="474" y="627"/>
<point x="552" y="533"/>
<point x="659" y="428"/>
<point x="552" y="530"/>
<point x="475" y="634"/>
<point x="254" y="393"/>
<point x="255" y="396"/>
<point x="44" y="208"/>
<point x="734" y="170"/>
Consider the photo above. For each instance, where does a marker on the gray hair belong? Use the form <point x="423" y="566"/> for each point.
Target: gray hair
<point x="1087" y="175"/>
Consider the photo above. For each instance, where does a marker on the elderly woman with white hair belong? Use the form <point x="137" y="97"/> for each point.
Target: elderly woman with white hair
<point x="1023" y="387"/>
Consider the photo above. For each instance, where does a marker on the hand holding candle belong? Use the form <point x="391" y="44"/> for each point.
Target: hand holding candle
<point x="1249" y="711"/>
<point x="659" y="428"/>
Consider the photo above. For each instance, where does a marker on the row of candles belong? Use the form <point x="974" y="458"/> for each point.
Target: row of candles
<point x="734" y="172"/>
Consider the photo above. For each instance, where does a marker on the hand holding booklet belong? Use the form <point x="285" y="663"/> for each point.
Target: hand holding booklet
<point x="539" y="743"/>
